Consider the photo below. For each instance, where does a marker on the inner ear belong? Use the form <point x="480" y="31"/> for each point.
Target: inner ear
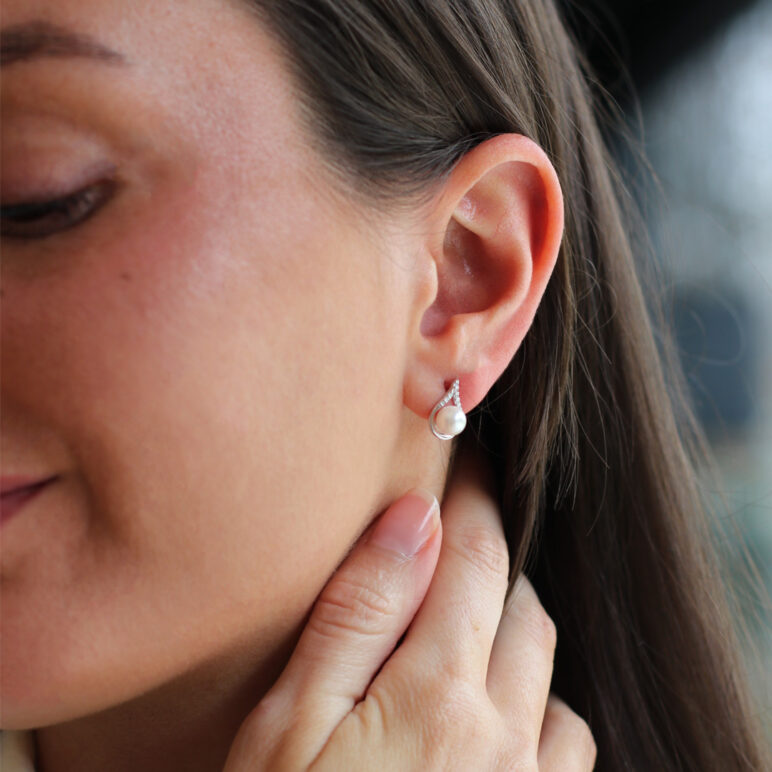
<point x="469" y="279"/>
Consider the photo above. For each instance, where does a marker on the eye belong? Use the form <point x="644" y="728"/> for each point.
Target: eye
<point x="38" y="219"/>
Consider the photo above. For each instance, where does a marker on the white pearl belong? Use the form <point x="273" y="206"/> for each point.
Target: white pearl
<point x="450" y="420"/>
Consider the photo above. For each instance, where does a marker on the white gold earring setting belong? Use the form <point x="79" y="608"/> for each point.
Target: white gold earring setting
<point x="446" y="420"/>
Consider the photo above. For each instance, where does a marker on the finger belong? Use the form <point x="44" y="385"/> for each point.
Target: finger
<point x="520" y="667"/>
<point x="566" y="743"/>
<point x="456" y="624"/>
<point x="361" y="613"/>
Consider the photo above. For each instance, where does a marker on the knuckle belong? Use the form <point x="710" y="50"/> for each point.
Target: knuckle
<point x="586" y="742"/>
<point x="442" y="691"/>
<point x="591" y="752"/>
<point x="350" y="605"/>
<point x="455" y="721"/>
<point x="535" y="620"/>
<point x="485" y="549"/>
<point x="546" y="631"/>
<point x="379" y="715"/>
<point x="512" y="755"/>
<point x="451" y="721"/>
<point x="518" y="750"/>
<point x="583" y="741"/>
<point x="443" y="700"/>
<point x="575" y="730"/>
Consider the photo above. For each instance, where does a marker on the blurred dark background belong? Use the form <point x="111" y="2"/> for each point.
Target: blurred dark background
<point x="694" y="81"/>
<point x="649" y="36"/>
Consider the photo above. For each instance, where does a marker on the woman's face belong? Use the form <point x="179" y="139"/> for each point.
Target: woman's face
<point x="210" y="363"/>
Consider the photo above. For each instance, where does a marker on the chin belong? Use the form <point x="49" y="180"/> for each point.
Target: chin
<point x="29" y="701"/>
<point x="41" y="686"/>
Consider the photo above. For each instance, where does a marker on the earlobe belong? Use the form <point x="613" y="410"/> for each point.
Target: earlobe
<point x="497" y="227"/>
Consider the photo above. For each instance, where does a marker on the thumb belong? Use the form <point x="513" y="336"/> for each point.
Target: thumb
<point x="362" y="612"/>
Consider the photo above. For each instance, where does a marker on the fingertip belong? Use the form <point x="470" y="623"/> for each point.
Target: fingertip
<point x="408" y="524"/>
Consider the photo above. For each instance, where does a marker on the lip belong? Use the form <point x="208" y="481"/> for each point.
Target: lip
<point x="11" y="482"/>
<point x="16" y="492"/>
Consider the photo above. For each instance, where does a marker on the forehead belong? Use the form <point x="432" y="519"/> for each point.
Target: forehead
<point x="199" y="51"/>
<point x="132" y="24"/>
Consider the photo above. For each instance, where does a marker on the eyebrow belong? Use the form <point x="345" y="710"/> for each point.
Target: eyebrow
<point x="34" y="39"/>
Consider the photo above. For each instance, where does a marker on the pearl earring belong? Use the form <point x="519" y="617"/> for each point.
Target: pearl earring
<point x="450" y="419"/>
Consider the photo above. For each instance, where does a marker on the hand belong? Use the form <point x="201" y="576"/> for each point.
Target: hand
<point x="468" y="687"/>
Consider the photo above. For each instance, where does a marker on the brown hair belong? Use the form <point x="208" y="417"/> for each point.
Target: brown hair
<point x="597" y="478"/>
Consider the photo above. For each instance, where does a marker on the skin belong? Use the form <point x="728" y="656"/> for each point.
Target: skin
<point x="230" y="367"/>
<point x="467" y="687"/>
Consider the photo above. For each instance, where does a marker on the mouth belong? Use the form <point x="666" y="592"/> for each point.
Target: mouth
<point x="12" y="501"/>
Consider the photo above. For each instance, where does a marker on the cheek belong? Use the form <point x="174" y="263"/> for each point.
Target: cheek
<point x="220" y="394"/>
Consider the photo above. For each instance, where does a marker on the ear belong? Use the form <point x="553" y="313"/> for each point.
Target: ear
<point x="493" y="236"/>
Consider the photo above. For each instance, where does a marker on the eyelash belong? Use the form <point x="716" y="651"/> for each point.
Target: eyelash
<point x="38" y="219"/>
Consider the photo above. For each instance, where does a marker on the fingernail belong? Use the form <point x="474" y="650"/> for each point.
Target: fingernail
<point x="408" y="524"/>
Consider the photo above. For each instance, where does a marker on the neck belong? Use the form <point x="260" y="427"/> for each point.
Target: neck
<point x="189" y="723"/>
